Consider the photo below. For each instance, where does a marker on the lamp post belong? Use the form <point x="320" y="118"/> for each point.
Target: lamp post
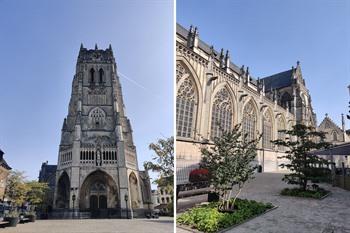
<point x="126" y="203"/>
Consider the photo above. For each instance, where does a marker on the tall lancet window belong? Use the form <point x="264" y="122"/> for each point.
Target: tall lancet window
<point x="267" y="130"/>
<point x="92" y="75"/>
<point x="101" y="74"/>
<point x="281" y="135"/>
<point x="186" y="106"/>
<point x="221" y="114"/>
<point x="249" y="121"/>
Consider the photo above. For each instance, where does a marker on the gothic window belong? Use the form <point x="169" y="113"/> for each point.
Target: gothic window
<point x="281" y="135"/>
<point x="249" y="121"/>
<point x="335" y="137"/>
<point x="97" y="116"/>
<point x="186" y="107"/>
<point x="180" y="71"/>
<point x="92" y="75"/>
<point x="101" y="74"/>
<point x="222" y="113"/>
<point x="267" y="130"/>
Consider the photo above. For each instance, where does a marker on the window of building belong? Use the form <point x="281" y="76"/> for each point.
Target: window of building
<point x="335" y="136"/>
<point x="249" y="121"/>
<point x="222" y="113"/>
<point x="101" y="74"/>
<point x="186" y="107"/>
<point x="92" y="75"/>
<point x="97" y="116"/>
<point x="267" y="130"/>
<point x="281" y="135"/>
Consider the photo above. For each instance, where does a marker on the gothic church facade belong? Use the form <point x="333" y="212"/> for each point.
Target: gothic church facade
<point x="213" y="93"/>
<point x="97" y="166"/>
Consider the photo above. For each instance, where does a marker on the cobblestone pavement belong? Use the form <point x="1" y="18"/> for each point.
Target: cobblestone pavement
<point x="293" y="215"/>
<point x="163" y="224"/>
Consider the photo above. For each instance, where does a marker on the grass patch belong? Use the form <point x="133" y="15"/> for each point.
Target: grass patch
<point x="208" y="219"/>
<point x="297" y="192"/>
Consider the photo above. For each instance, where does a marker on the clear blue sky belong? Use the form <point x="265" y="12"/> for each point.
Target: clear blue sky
<point x="39" y="45"/>
<point x="270" y="36"/>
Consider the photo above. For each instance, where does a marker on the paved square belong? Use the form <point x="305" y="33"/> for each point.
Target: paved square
<point x="162" y="225"/>
<point x="293" y="215"/>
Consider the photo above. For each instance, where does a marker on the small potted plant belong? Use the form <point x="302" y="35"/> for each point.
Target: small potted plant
<point x="31" y="215"/>
<point x="12" y="217"/>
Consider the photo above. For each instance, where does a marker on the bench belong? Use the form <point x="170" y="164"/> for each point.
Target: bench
<point x="3" y="224"/>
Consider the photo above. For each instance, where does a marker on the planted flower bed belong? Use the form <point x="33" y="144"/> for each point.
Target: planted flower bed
<point x="207" y="218"/>
<point x="318" y="193"/>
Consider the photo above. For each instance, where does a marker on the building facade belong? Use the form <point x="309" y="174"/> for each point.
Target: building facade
<point x="47" y="175"/>
<point x="213" y="94"/>
<point x="97" y="166"/>
<point x="4" y="172"/>
<point x="162" y="199"/>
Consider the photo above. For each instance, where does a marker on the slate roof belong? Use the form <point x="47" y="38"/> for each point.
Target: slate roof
<point x="279" y="80"/>
<point x="341" y="149"/>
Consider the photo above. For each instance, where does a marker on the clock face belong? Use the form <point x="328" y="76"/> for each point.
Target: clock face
<point x="96" y="55"/>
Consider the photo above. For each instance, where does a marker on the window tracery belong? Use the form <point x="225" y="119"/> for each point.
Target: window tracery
<point x="249" y="121"/>
<point x="222" y="113"/>
<point x="186" y="107"/>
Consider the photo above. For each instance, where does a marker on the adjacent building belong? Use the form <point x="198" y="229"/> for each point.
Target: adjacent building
<point x="4" y="172"/>
<point x="97" y="168"/>
<point x="47" y="175"/>
<point x="212" y="88"/>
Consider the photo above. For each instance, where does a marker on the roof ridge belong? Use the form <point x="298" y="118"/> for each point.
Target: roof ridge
<point x="277" y="73"/>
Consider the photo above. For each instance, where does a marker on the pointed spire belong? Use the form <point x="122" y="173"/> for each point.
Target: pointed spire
<point x="196" y="31"/>
<point x="227" y="56"/>
<point x="64" y="126"/>
<point x="96" y="46"/>
<point x="110" y="47"/>
<point x="81" y="46"/>
<point x="191" y="29"/>
<point x="298" y="63"/>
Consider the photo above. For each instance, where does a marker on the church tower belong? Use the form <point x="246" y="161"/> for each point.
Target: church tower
<point x="97" y="167"/>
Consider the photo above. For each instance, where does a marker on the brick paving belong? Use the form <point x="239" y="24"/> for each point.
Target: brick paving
<point x="293" y="215"/>
<point x="163" y="224"/>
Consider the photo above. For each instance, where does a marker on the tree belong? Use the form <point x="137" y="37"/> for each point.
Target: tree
<point x="230" y="162"/>
<point x="16" y="189"/>
<point x="36" y="192"/>
<point x="163" y="161"/>
<point x="302" y="165"/>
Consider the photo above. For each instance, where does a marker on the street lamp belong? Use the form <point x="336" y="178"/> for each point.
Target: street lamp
<point x="126" y="203"/>
<point x="73" y="199"/>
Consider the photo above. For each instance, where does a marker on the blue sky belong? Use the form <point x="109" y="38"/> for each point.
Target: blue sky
<point x="270" y="36"/>
<point x="39" y="45"/>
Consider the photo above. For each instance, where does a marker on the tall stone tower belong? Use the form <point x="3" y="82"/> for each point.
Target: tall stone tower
<point x="97" y="167"/>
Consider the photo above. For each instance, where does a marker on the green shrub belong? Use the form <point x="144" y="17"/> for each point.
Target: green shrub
<point x="208" y="219"/>
<point x="297" y="192"/>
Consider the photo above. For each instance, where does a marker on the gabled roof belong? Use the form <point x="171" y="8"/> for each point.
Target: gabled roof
<point x="279" y="80"/>
<point x="326" y="120"/>
<point x="3" y="162"/>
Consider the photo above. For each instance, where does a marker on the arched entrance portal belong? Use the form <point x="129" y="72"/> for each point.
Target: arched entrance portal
<point x="98" y="193"/>
<point x="62" y="195"/>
